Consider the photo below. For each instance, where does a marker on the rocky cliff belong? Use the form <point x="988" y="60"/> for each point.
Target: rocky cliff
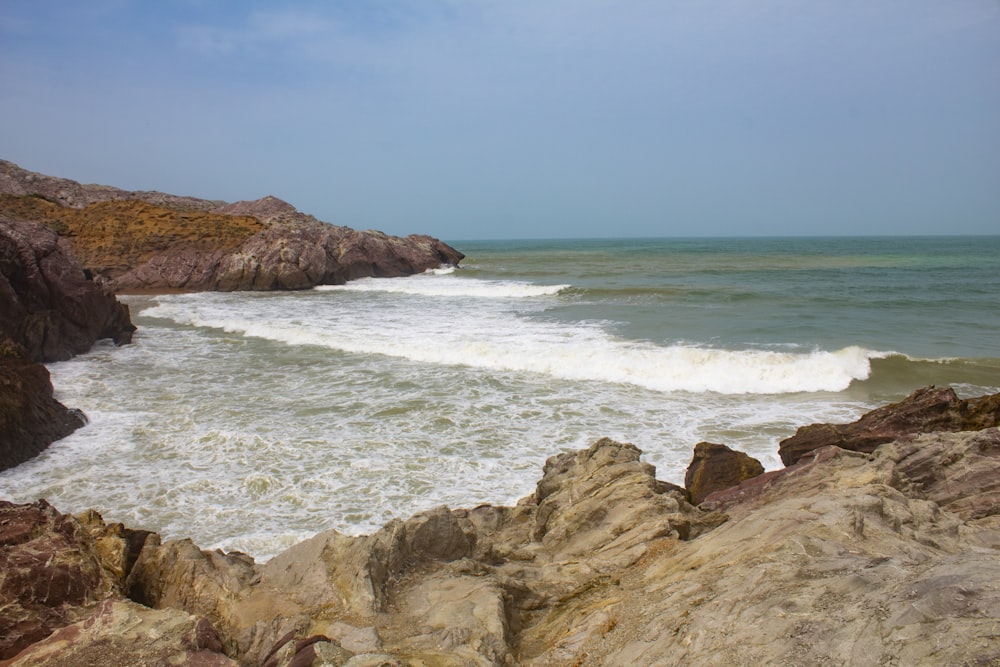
<point x="141" y="240"/>
<point x="845" y="558"/>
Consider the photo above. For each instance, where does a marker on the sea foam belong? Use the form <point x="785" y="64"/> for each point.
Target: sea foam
<point x="492" y="336"/>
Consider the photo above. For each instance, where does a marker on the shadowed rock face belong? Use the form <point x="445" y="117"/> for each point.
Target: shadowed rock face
<point x="49" y="310"/>
<point x="926" y="410"/>
<point x="153" y="241"/>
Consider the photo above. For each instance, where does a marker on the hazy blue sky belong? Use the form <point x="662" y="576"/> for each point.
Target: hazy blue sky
<point x="532" y="118"/>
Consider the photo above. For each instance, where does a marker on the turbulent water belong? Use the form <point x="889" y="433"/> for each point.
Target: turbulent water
<point x="253" y="420"/>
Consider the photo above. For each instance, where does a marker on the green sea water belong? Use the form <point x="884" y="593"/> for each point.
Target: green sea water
<point x="253" y="420"/>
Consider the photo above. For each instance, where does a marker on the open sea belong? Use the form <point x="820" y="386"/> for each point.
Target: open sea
<point x="250" y="421"/>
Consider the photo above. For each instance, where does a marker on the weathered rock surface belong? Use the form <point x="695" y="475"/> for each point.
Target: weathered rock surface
<point x="153" y="241"/>
<point x="716" y="467"/>
<point x="925" y="411"/>
<point x="119" y="632"/>
<point x="20" y="182"/>
<point x="845" y="558"/>
<point x="446" y="587"/>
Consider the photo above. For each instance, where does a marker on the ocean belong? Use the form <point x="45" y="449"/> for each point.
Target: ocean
<point x="251" y="421"/>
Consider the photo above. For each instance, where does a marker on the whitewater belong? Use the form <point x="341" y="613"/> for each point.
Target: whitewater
<point x="250" y="421"/>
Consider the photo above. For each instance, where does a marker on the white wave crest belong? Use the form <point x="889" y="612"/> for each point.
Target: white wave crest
<point x="443" y="283"/>
<point x="499" y="341"/>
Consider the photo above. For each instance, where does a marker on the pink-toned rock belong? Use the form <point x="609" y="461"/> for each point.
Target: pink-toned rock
<point x="182" y="243"/>
<point x="925" y="411"/>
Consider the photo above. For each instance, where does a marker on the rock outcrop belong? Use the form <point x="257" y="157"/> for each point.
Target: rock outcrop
<point x="926" y="410"/>
<point x="55" y="568"/>
<point x="842" y="558"/>
<point x="152" y="241"/>
<point x="49" y="311"/>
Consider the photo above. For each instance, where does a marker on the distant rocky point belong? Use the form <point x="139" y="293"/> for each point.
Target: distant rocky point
<point x="144" y="240"/>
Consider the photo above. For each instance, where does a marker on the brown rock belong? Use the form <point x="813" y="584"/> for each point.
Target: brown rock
<point x="842" y="558"/>
<point x="65" y="192"/>
<point x="925" y="411"/>
<point x="716" y="467"/>
<point x="963" y="481"/>
<point x="444" y="587"/>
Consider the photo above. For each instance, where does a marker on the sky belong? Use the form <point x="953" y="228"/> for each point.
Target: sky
<point x="490" y="119"/>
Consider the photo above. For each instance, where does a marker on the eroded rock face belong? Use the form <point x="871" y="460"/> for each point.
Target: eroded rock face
<point x="446" y="586"/>
<point x="119" y="632"/>
<point x="49" y="310"/>
<point x="925" y="411"/>
<point x="844" y="557"/>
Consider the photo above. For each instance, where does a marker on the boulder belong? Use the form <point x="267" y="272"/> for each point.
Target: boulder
<point x="925" y="411"/>
<point x="716" y="467"/>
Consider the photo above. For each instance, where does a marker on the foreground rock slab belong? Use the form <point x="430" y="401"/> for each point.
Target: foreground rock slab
<point x="849" y="558"/>
<point x="844" y="558"/>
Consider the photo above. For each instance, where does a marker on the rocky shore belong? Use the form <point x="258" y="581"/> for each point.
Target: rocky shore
<point x="845" y="557"/>
<point x="66" y="249"/>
